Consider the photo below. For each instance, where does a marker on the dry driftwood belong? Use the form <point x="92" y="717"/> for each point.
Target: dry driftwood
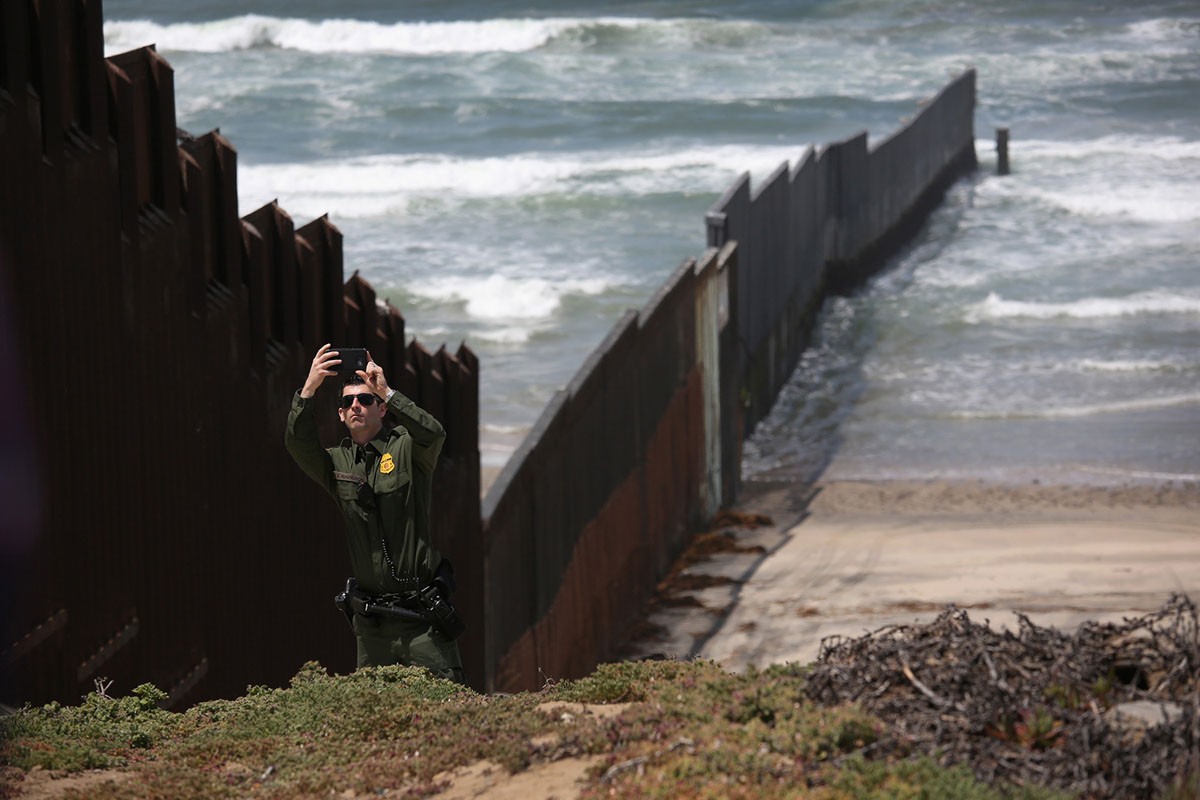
<point x="1036" y="706"/>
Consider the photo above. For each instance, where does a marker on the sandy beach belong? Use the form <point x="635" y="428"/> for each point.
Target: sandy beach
<point x="846" y="558"/>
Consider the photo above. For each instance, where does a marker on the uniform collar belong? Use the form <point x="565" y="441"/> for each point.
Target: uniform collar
<point x="378" y="444"/>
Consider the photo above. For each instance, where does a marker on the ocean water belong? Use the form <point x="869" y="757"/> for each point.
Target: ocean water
<point x="516" y="175"/>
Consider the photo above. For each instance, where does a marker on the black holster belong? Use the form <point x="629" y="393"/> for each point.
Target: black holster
<point x="441" y="615"/>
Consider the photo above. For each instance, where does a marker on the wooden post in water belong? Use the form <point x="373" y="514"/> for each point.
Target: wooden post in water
<point x="1001" y="151"/>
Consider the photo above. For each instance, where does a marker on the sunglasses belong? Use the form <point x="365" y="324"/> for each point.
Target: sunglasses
<point x="366" y="399"/>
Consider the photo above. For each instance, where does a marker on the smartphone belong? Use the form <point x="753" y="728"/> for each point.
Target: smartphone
<point x="353" y="359"/>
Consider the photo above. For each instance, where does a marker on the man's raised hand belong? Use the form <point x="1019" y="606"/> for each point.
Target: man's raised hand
<point x="373" y="377"/>
<point x="324" y="365"/>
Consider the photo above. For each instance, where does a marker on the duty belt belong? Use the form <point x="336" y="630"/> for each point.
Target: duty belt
<point x="427" y="606"/>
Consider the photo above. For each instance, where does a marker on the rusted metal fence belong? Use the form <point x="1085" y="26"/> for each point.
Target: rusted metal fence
<point x="602" y="494"/>
<point x="161" y="339"/>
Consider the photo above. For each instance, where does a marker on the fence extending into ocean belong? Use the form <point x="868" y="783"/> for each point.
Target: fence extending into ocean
<point x="829" y="223"/>
<point x="170" y="539"/>
<point x="645" y="444"/>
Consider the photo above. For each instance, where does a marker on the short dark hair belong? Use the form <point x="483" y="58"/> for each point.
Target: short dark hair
<point x="352" y="380"/>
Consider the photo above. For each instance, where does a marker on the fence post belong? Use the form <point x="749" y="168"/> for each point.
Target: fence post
<point x="1001" y="151"/>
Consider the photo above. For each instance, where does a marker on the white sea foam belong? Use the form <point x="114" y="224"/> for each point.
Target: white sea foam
<point x="1151" y="302"/>
<point x="1144" y="474"/>
<point x="1058" y="72"/>
<point x="1144" y="179"/>
<point x="499" y="298"/>
<point x="1159" y="202"/>
<point x="375" y="185"/>
<point x="404" y="38"/>
<point x="941" y="381"/>
<point x="503" y="430"/>
<point x="1115" y="148"/>
<point x="387" y="184"/>
<point x="507" y="335"/>
<point x="337" y="35"/>
<point x="1070" y="411"/>
<point x="1170" y="30"/>
<point x="1131" y="365"/>
<point x="515" y="334"/>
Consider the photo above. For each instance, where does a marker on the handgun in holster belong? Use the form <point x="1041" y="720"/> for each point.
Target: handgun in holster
<point x="342" y="600"/>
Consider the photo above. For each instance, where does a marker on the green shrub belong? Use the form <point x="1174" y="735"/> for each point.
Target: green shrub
<point x="100" y="732"/>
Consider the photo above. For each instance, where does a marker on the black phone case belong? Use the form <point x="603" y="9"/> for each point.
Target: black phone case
<point x="353" y="359"/>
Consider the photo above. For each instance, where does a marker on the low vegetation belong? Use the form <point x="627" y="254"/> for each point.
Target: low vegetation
<point x="685" y="730"/>
<point x="654" y="729"/>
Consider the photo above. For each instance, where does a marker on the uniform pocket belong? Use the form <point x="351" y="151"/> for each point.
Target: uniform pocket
<point x="347" y="491"/>
<point x="391" y="473"/>
<point x="354" y="494"/>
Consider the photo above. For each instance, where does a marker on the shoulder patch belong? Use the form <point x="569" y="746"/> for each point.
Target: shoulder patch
<point x="386" y="464"/>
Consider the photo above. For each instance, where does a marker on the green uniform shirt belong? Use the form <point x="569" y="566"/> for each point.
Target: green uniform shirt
<point x="398" y="466"/>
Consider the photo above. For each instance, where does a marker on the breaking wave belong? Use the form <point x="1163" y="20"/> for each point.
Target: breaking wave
<point x="1153" y="302"/>
<point x="253" y="31"/>
<point x="386" y="184"/>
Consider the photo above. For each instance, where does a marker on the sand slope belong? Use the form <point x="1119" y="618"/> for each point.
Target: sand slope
<point x="853" y="557"/>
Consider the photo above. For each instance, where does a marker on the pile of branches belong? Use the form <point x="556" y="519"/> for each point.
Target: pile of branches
<point x="1037" y="706"/>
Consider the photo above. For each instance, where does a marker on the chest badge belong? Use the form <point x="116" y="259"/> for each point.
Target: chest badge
<point x="386" y="464"/>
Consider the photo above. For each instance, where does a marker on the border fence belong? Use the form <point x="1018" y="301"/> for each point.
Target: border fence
<point x="161" y="532"/>
<point x="161" y="338"/>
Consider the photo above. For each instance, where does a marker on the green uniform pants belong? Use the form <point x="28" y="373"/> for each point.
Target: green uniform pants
<point x="383" y="641"/>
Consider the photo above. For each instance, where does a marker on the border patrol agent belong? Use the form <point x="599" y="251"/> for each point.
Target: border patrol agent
<point x="381" y="478"/>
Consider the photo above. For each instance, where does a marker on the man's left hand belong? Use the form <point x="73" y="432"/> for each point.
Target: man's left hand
<point x="373" y="377"/>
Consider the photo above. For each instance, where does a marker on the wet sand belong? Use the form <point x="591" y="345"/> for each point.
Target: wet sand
<point x="847" y="558"/>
